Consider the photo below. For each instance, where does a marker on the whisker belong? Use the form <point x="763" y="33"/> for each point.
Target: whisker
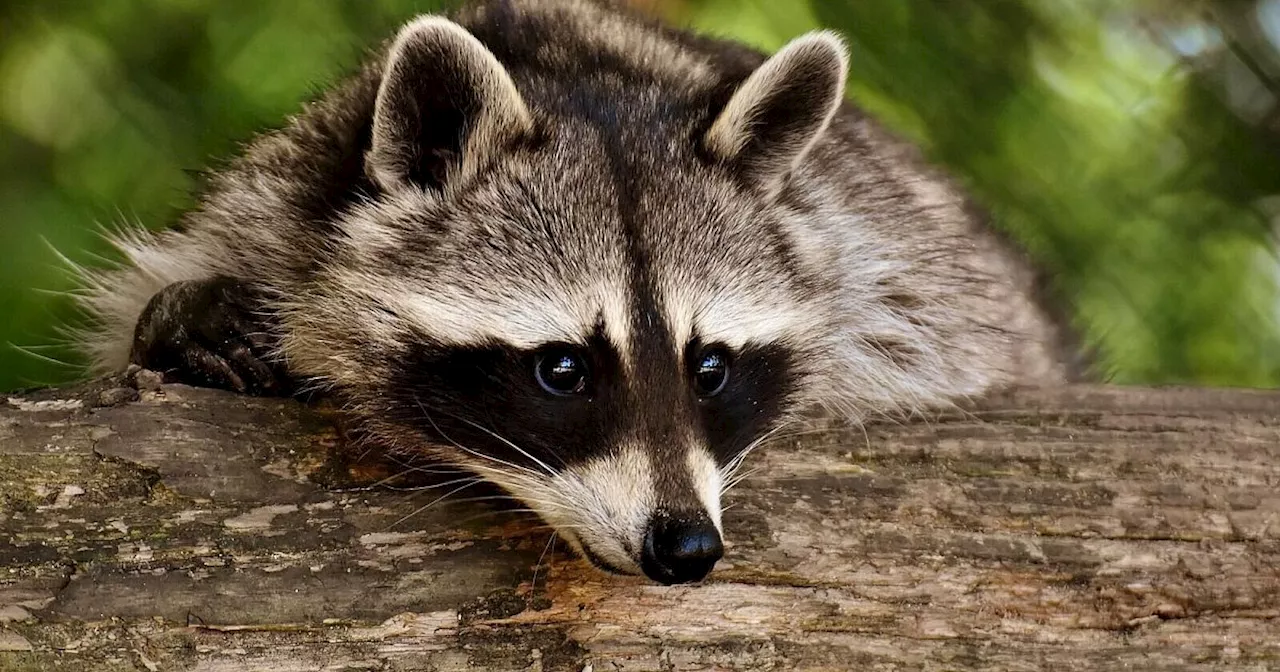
<point x="434" y="469"/>
<point x="808" y="431"/>
<point x="533" y="516"/>
<point x="739" y="478"/>
<point x="523" y="500"/>
<point x="516" y="479"/>
<point x="468" y="450"/>
<point x="434" y="486"/>
<point x="727" y="472"/>
<point x="486" y="514"/>
<point x="533" y="583"/>
<point x="513" y="446"/>
<point x="414" y="469"/>
<point x="431" y="503"/>
<point x="515" y="483"/>
<point x="522" y="488"/>
<point x="380" y="485"/>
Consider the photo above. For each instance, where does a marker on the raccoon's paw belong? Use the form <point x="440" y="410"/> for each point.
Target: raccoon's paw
<point x="210" y="333"/>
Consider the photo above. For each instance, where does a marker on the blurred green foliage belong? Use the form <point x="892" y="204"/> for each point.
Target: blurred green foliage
<point x="1140" y="183"/>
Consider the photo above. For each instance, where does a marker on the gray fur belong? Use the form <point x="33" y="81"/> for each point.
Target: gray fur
<point x="606" y="153"/>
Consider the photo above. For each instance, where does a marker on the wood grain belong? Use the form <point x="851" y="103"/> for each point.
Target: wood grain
<point x="1084" y="528"/>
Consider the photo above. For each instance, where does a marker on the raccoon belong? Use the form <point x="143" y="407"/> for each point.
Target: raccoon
<point x="589" y="257"/>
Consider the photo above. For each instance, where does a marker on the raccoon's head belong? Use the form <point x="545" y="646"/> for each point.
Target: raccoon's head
<point x="578" y="286"/>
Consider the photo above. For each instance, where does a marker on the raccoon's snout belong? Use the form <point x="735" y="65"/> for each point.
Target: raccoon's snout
<point x="626" y="519"/>
<point x="680" y="549"/>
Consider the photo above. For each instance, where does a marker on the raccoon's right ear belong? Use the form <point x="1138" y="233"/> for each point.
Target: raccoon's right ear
<point x="778" y="112"/>
<point x="445" y="108"/>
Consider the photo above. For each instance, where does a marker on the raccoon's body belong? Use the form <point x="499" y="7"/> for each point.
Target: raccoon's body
<point x="591" y="258"/>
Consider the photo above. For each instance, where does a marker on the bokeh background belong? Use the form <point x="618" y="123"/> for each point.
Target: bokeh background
<point x="1133" y="146"/>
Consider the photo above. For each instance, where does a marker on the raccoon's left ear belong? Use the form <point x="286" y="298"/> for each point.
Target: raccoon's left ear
<point x="445" y="108"/>
<point x="775" y="116"/>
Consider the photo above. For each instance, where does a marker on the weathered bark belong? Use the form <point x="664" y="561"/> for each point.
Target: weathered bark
<point x="1081" y="528"/>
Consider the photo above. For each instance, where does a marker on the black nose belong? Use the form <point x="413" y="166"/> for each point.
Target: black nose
<point x="680" y="549"/>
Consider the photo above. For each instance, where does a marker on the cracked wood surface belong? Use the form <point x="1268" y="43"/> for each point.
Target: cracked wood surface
<point x="1085" y="528"/>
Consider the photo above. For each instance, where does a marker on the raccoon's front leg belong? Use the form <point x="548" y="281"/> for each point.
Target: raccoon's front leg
<point x="210" y="333"/>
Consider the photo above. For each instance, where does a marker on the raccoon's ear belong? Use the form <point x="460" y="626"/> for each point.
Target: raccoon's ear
<point x="774" y="117"/>
<point x="445" y="108"/>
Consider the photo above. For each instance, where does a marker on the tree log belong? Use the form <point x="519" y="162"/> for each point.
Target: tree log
<point x="1082" y="528"/>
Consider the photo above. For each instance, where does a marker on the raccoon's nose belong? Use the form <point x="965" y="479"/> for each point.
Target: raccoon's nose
<point x="680" y="549"/>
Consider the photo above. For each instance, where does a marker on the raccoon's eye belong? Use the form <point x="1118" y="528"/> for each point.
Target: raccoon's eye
<point x="711" y="371"/>
<point x="561" y="371"/>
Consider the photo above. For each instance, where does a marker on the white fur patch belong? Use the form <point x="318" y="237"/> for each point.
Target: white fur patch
<point x="603" y="505"/>
<point x="615" y="307"/>
<point x="457" y="316"/>
<point x="114" y="298"/>
<point x="706" y="481"/>
<point x="522" y="317"/>
<point x="738" y="318"/>
<point x="614" y="497"/>
<point x="452" y="315"/>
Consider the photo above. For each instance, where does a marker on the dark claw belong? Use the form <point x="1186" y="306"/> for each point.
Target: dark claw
<point x="259" y="377"/>
<point x="210" y="333"/>
<point x="205" y="369"/>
